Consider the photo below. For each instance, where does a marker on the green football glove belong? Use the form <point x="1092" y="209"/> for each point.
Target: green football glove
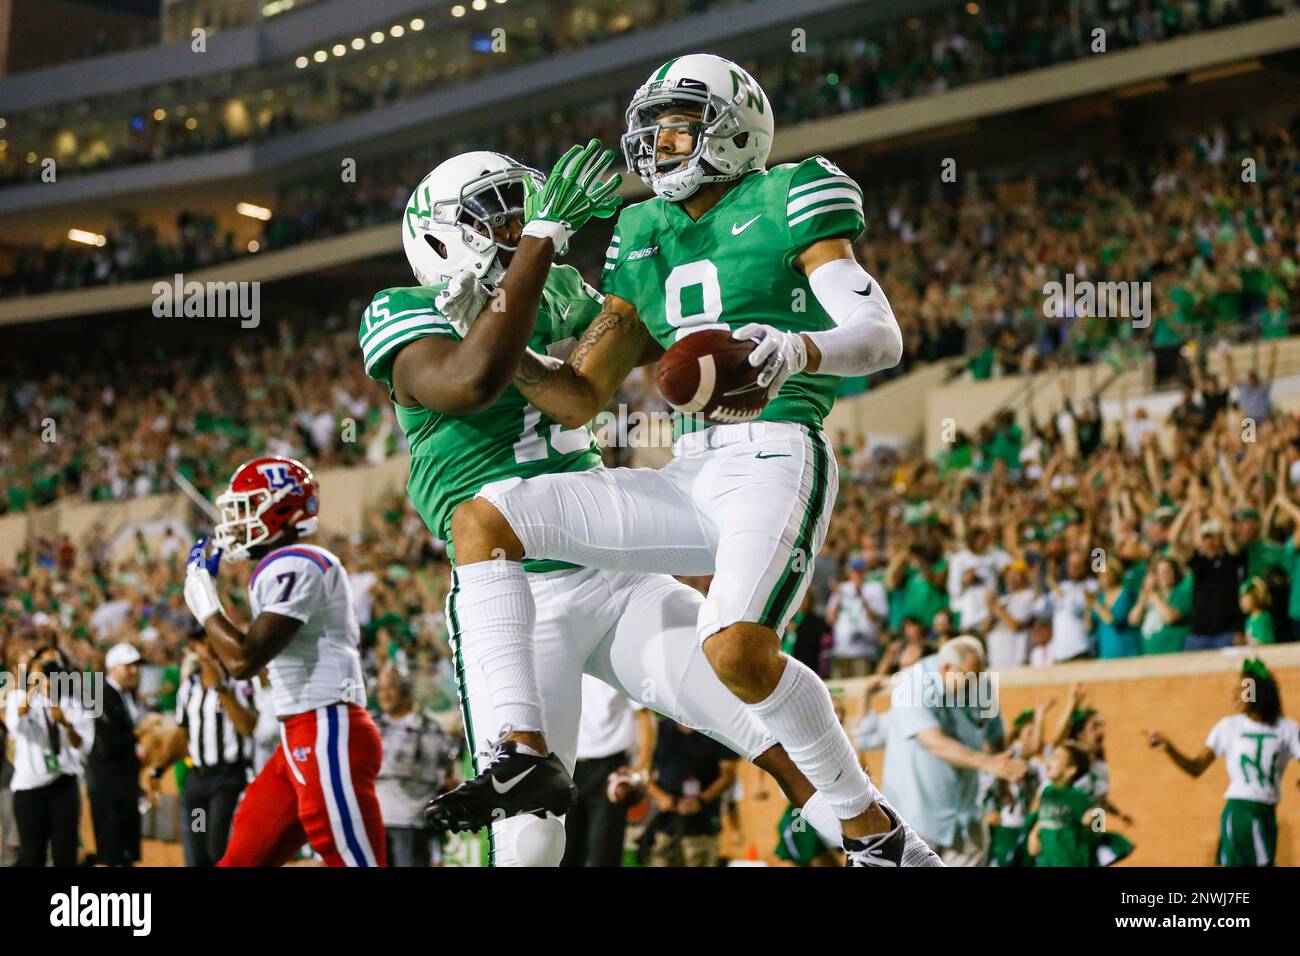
<point x="572" y="194"/>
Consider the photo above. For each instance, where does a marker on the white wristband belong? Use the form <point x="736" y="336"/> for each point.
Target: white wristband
<point x="557" y="232"/>
<point x="201" y="594"/>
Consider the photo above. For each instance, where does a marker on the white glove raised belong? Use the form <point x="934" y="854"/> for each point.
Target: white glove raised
<point x="778" y="355"/>
<point x="201" y="584"/>
<point x="462" y="300"/>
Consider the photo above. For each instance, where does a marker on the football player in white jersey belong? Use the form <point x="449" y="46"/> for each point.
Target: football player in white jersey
<point x="1256" y="742"/>
<point x="319" y="787"/>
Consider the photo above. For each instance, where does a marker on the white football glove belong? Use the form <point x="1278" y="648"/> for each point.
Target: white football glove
<point x="201" y="595"/>
<point x="778" y="354"/>
<point x="462" y="300"/>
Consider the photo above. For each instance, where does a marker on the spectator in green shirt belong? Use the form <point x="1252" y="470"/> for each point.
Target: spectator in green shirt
<point x="1162" y="609"/>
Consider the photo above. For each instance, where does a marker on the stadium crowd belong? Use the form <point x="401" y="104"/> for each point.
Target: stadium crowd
<point x="905" y="59"/>
<point x="965" y="275"/>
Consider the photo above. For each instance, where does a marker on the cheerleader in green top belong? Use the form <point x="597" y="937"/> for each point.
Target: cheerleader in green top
<point x="1256" y="742"/>
<point x="1061" y="830"/>
<point x="1254" y="601"/>
<point x="1008" y="804"/>
<point x="1085" y="727"/>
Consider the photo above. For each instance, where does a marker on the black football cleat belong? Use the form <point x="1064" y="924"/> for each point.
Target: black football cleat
<point x="511" y="784"/>
<point x="879" y="849"/>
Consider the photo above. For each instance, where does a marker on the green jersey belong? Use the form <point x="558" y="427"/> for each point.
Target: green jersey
<point x="453" y="456"/>
<point x="735" y="265"/>
<point x="1065" y="840"/>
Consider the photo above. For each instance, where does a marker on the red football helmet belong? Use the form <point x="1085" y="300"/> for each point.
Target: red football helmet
<point x="265" y="497"/>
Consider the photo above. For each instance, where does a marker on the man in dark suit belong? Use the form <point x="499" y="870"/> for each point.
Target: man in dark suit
<point x="113" y="770"/>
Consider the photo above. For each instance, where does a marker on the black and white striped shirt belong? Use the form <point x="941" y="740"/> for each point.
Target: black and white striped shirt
<point x="213" y="739"/>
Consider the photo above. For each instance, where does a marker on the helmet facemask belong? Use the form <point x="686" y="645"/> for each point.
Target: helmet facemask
<point x="482" y="204"/>
<point x="677" y="177"/>
<point x="241" y="527"/>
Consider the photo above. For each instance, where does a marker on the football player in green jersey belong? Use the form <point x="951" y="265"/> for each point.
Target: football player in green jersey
<point x="725" y="243"/>
<point x="448" y="354"/>
<point x="635" y="631"/>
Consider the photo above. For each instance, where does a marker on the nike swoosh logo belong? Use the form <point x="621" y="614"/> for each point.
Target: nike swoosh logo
<point x="764" y="457"/>
<point x="737" y="230"/>
<point x="511" y="783"/>
<point x="866" y="291"/>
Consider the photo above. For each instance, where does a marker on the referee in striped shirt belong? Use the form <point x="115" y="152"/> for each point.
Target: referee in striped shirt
<point x="218" y="716"/>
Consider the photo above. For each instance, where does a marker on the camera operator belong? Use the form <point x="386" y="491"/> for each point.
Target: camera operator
<point x="52" y="737"/>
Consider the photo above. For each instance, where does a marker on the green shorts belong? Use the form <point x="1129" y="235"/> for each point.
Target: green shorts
<point x="799" y="843"/>
<point x="1009" y="846"/>
<point x="1247" y="834"/>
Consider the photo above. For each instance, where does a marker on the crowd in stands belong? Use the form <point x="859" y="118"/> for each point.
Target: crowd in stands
<point x="232" y="114"/>
<point x="965" y="276"/>
<point x="901" y="60"/>
<point x="1070" y="537"/>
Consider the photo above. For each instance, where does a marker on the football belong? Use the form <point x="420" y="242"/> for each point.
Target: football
<point x="708" y="374"/>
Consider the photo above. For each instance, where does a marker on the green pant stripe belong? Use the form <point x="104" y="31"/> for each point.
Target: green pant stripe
<point x="462" y="689"/>
<point x="779" y="601"/>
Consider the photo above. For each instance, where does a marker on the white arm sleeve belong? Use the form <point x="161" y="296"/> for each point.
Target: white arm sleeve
<point x="866" y="337"/>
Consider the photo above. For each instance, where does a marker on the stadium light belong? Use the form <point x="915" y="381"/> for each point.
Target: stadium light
<point x="320" y="56"/>
<point x="86" y="237"/>
<point x="359" y="43"/>
<point x="253" y="211"/>
<point x="301" y="62"/>
<point x="417" y="24"/>
<point x="458" y="10"/>
<point x="339" y="49"/>
<point x="377" y="36"/>
<point x="396" y="30"/>
<point x="479" y="5"/>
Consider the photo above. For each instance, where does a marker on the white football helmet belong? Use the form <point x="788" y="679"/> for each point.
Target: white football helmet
<point x="449" y="218"/>
<point x="733" y="135"/>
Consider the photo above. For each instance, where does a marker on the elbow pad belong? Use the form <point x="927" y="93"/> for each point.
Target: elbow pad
<point x="866" y="337"/>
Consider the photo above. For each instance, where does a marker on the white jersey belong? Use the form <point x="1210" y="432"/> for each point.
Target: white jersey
<point x="321" y="665"/>
<point x="1256" y="755"/>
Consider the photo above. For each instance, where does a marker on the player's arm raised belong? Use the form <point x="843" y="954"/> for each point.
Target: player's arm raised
<point x="461" y="377"/>
<point x="574" y="392"/>
<point x="469" y="375"/>
<point x="243" y="653"/>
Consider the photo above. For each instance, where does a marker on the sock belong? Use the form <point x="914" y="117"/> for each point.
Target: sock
<point x="799" y="714"/>
<point x="819" y="815"/>
<point x="494" y="611"/>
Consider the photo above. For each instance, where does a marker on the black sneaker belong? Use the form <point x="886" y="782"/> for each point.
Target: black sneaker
<point x="512" y="783"/>
<point x="879" y="849"/>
